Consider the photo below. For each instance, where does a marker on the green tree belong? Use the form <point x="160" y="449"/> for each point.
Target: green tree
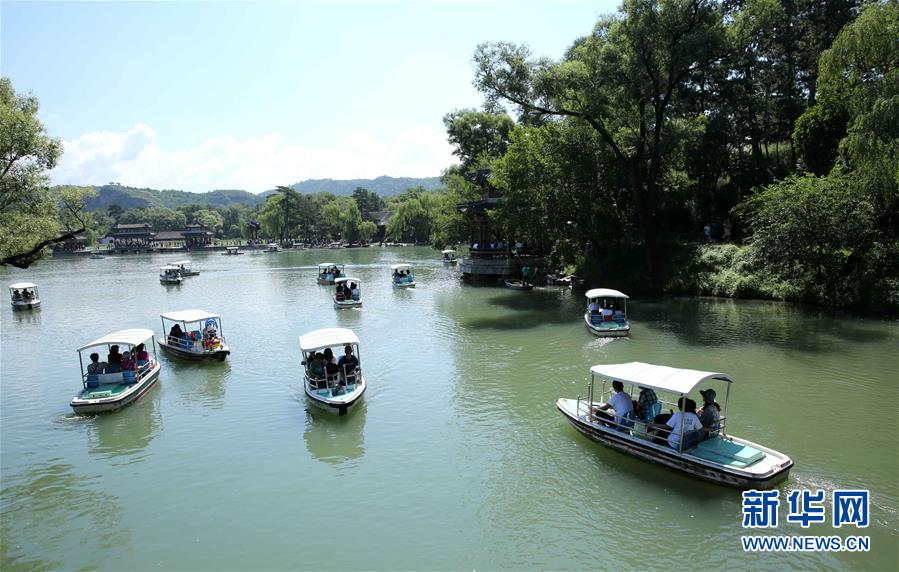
<point x="211" y="218"/>
<point x="478" y="136"/>
<point x="368" y="201"/>
<point x="160" y="218"/>
<point x="32" y="217"/>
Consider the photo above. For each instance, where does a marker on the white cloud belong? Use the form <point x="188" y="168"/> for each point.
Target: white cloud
<point x="135" y="158"/>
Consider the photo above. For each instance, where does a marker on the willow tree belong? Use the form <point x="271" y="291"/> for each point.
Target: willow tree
<point x="624" y="80"/>
<point x="32" y="216"/>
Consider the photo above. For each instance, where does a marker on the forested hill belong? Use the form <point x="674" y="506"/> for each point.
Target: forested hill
<point x="130" y="197"/>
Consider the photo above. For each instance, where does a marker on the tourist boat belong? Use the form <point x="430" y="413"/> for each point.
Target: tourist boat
<point x="722" y="459"/>
<point x="186" y="268"/>
<point x="353" y="301"/>
<point x="337" y="391"/>
<point x="114" y="390"/>
<point x="201" y="338"/>
<point x="232" y="251"/>
<point x="272" y="247"/>
<point x="449" y="256"/>
<point x="515" y="284"/>
<point x="326" y="275"/>
<point x="170" y="274"/>
<point x="404" y="281"/>
<point x="606" y="314"/>
<point x="336" y="244"/>
<point x="24" y="296"/>
<point x="97" y="255"/>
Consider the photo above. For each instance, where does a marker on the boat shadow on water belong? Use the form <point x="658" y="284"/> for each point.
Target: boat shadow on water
<point x="529" y="310"/>
<point x="335" y="439"/>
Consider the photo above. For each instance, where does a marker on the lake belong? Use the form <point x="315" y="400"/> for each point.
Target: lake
<point x="456" y="459"/>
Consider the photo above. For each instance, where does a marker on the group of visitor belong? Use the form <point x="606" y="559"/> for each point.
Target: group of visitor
<point x="663" y="428"/>
<point x="606" y="312"/>
<point x="22" y="295"/>
<point x="402" y="276"/>
<point x="322" y="367"/>
<point x="209" y="336"/>
<point x="347" y="291"/>
<point x="117" y="362"/>
<point x="330" y="274"/>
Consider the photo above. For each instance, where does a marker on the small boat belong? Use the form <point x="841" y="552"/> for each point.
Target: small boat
<point x="232" y="251"/>
<point x="336" y="244"/>
<point x="186" y="268"/>
<point x="200" y="335"/>
<point x="272" y="247"/>
<point x="97" y="255"/>
<point x="24" y="296"/>
<point x="606" y="314"/>
<point x="113" y="390"/>
<point x="402" y="276"/>
<point x="719" y="458"/>
<point x="516" y="284"/>
<point x="337" y="387"/>
<point x="328" y="272"/>
<point x="170" y="274"/>
<point x="449" y="256"/>
<point x="354" y="286"/>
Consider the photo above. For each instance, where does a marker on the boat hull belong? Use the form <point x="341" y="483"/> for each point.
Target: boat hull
<point x="214" y="355"/>
<point x="26" y="305"/>
<point x="170" y="280"/>
<point x="514" y="285"/>
<point x="407" y="285"/>
<point x="348" y="304"/>
<point x="106" y="404"/>
<point x="617" y="332"/>
<point x="663" y="455"/>
<point x="340" y="405"/>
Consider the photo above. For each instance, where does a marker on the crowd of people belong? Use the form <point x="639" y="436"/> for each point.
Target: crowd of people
<point x="402" y="276"/>
<point x="663" y="428"/>
<point x="328" y="373"/>
<point x="330" y="274"/>
<point x="23" y="295"/>
<point x="119" y="362"/>
<point x="347" y="291"/>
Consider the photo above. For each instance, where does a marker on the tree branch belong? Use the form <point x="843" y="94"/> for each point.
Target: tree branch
<point x="26" y="259"/>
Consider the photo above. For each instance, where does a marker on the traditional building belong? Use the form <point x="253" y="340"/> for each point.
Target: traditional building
<point x="136" y="236"/>
<point x="197" y="234"/>
<point x="73" y="244"/>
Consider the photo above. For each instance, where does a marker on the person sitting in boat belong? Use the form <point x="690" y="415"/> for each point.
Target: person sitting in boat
<point x="141" y="356"/>
<point x="354" y="291"/>
<point x="17" y="295"/>
<point x="341" y="293"/>
<point x="113" y="360"/>
<point x="621" y="403"/>
<point x="710" y="414"/>
<point x="316" y="366"/>
<point x="127" y="362"/>
<point x="348" y="362"/>
<point x="96" y="366"/>
<point x="607" y="314"/>
<point x="210" y="335"/>
<point x="647" y="405"/>
<point x="175" y="334"/>
<point x="617" y="313"/>
<point x="672" y="428"/>
<point x="593" y="307"/>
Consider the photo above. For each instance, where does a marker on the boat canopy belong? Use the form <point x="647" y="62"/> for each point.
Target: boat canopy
<point x="401" y="267"/>
<point x="125" y="337"/>
<point x="347" y="279"/>
<point x="189" y="316"/>
<point x="605" y="293"/>
<point x="449" y="251"/>
<point x="19" y="285"/>
<point x="671" y="379"/>
<point x="329" y="264"/>
<point x="181" y="263"/>
<point x="169" y="267"/>
<point x="326" y="338"/>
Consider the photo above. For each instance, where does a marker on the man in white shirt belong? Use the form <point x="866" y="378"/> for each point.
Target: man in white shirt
<point x="691" y="422"/>
<point x="620" y="402"/>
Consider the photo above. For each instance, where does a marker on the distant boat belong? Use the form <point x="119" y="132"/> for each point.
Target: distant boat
<point x="186" y="268"/>
<point x="518" y="284"/>
<point x="232" y="251"/>
<point x="96" y="255"/>
<point x="113" y="390"/>
<point x="336" y="389"/>
<point x="24" y="296"/>
<point x="272" y="247"/>
<point x="605" y="317"/>
<point x="449" y="256"/>
<point x="170" y="274"/>
<point x="327" y="275"/>
<point x="351" y="301"/>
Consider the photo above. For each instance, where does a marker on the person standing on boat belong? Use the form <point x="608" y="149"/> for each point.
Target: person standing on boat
<point x="710" y="414"/>
<point x="620" y="402"/>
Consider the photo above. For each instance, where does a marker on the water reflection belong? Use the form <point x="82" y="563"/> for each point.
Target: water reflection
<point x="31" y="317"/>
<point x="128" y="431"/>
<point x="334" y="439"/>
<point x="45" y="506"/>
<point x="202" y="382"/>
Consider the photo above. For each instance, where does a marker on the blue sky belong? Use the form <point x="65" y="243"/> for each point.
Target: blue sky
<point x="212" y="95"/>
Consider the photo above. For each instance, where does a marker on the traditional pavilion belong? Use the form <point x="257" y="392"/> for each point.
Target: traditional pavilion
<point x="137" y="236"/>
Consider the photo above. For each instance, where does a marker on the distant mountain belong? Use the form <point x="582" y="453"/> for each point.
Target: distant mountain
<point x="384" y="186"/>
<point x="130" y="197"/>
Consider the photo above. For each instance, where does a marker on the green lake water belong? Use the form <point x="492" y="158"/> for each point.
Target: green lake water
<point x="457" y="458"/>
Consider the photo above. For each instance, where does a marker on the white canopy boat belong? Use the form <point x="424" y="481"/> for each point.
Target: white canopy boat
<point x="186" y="268"/>
<point x="115" y="387"/>
<point x="606" y="314"/>
<point x="232" y="251"/>
<point x="97" y="254"/>
<point x="719" y="458"/>
<point x="449" y="256"/>
<point x="272" y="247"/>
<point x="198" y="335"/>
<point x="24" y="296"/>
<point x="338" y="386"/>
<point x="170" y="274"/>
<point x="328" y="272"/>
<point x="402" y="276"/>
<point x="349" y="293"/>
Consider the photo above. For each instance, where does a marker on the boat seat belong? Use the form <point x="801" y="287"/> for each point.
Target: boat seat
<point x="728" y="453"/>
